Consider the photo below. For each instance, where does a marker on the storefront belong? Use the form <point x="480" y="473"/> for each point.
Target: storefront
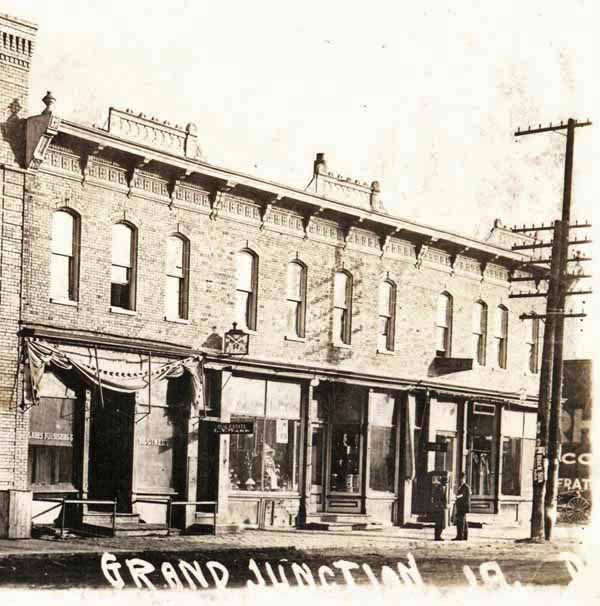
<point x="491" y="442"/>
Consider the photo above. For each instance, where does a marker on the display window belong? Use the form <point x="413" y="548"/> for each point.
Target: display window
<point x="517" y="452"/>
<point x="269" y="458"/>
<point x="382" y="454"/>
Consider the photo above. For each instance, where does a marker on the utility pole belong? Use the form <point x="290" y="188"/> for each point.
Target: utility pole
<point x="547" y="452"/>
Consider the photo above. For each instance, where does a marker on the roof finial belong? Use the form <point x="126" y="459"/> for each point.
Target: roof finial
<point x="49" y="102"/>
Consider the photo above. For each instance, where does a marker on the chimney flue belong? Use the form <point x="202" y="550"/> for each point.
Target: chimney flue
<point x="320" y="166"/>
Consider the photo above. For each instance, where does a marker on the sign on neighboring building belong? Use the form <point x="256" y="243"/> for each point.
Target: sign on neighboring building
<point x="240" y="427"/>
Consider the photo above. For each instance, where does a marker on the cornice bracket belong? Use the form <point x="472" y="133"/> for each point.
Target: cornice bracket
<point x="308" y="220"/>
<point x="39" y="132"/>
<point x="454" y="258"/>
<point x="217" y="195"/>
<point x="385" y="236"/>
<point x="133" y="171"/>
<point x="265" y="210"/>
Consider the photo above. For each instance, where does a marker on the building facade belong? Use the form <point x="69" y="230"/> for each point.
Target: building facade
<point x="382" y="353"/>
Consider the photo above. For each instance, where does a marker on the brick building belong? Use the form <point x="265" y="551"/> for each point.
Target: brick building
<point x="381" y="352"/>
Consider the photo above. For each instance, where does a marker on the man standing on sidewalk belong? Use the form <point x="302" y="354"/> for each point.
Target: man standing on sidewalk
<point x="462" y="508"/>
<point x="440" y="507"/>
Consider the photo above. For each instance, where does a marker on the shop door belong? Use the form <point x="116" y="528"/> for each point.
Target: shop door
<point x="317" y="466"/>
<point x="208" y="464"/>
<point x="111" y="441"/>
<point x="446" y="459"/>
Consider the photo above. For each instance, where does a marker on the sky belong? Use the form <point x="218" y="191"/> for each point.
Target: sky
<point x="421" y="96"/>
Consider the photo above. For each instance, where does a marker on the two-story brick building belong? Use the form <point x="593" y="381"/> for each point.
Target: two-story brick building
<point x="380" y="350"/>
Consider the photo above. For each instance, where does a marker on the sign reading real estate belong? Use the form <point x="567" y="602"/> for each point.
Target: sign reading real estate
<point x="240" y="427"/>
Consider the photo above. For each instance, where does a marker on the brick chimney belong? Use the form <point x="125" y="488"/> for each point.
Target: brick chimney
<point x="17" y="43"/>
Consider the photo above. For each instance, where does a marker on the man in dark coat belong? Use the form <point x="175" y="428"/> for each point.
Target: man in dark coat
<point x="462" y="508"/>
<point x="439" y="506"/>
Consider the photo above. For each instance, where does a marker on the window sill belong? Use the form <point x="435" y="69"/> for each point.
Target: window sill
<point x="341" y="345"/>
<point x="66" y="302"/>
<point x="177" y="320"/>
<point x="386" y="352"/>
<point x="122" y="311"/>
<point x="295" y="339"/>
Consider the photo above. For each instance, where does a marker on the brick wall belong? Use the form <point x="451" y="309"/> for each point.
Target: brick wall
<point x="213" y="246"/>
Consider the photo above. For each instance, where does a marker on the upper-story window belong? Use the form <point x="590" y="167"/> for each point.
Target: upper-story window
<point x="296" y="299"/>
<point x="533" y="342"/>
<point x="502" y="336"/>
<point x="387" y="316"/>
<point x="176" y="302"/>
<point x="64" y="261"/>
<point x="342" y="308"/>
<point x="246" y="265"/>
<point x="122" y="278"/>
<point x="443" y="326"/>
<point x="479" y="331"/>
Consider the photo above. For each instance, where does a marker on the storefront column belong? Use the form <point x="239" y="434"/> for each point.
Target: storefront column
<point x="141" y="409"/>
<point x="306" y="506"/>
<point x="85" y="444"/>
<point x="367" y="458"/>
<point x="406" y="484"/>
<point x="223" y="517"/>
<point x="191" y="476"/>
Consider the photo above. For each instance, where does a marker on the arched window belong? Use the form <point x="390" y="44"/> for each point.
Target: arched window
<point x="443" y="326"/>
<point x="64" y="258"/>
<point x="123" y="269"/>
<point x="479" y="332"/>
<point x="387" y="316"/>
<point x="246" y="287"/>
<point x="342" y="308"/>
<point x="502" y="335"/>
<point x="296" y="299"/>
<point x="176" y="300"/>
<point x="533" y="343"/>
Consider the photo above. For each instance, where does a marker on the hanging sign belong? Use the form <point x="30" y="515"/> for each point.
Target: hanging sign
<point x="538" y="465"/>
<point x="240" y="427"/>
<point x="281" y="431"/>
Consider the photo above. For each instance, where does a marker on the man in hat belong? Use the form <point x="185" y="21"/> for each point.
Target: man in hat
<point x="440" y="507"/>
<point x="462" y="508"/>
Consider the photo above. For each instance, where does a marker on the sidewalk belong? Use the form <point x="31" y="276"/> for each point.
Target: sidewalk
<point x="305" y="540"/>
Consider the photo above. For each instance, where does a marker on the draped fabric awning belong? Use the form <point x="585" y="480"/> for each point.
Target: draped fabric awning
<point x="41" y="354"/>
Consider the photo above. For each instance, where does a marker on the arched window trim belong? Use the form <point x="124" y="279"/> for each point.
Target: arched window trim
<point x="184" y="279"/>
<point x="130" y="303"/>
<point x="386" y="331"/>
<point x="342" y="324"/>
<point x="480" y="338"/>
<point x="444" y="328"/>
<point x="72" y="294"/>
<point x="298" y="329"/>
<point x="250" y="320"/>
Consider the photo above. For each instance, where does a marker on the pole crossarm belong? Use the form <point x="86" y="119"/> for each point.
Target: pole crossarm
<point x="548" y="244"/>
<point x="552" y="314"/>
<point x="522" y="295"/>
<point x="549" y="260"/>
<point x="542" y="227"/>
<point x="547" y="129"/>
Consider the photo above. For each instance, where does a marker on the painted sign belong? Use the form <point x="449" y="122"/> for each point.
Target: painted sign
<point x="437" y="446"/>
<point x="281" y="431"/>
<point x="240" y="427"/>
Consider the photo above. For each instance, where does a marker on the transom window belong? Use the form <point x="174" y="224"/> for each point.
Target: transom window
<point x="342" y="308"/>
<point x="479" y="332"/>
<point x="122" y="287"/>
<point x="246" y="287"/>
<point x="64" y="263"/>
<point x="443" y="326"/>
<point x="296" y="299"/>
<point x="177" y="277"/>
<point x="387" y="316"/>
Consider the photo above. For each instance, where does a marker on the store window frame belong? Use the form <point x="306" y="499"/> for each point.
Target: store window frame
<point x="246" y="290"/>
<point x="342" y="308"/>
<point x="61" y="255"/>
<point x="123" y="289"/>
<point x="386" y="329"/>
<point x="177" y="276"/>
<point x="296" y="299"/>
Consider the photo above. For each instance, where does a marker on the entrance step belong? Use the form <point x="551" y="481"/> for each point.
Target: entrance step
<point x="341" y="522"/>
<point x="126" y="530"/>
<point x="105" y="518"/>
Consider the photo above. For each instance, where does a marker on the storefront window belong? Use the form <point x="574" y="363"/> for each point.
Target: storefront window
<point x="482" y="451"/>
<point x="267" y="459"/>
<point x="382" y="454"/>
<point x="518" y="445"/>
<point x="51" y="443"/>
